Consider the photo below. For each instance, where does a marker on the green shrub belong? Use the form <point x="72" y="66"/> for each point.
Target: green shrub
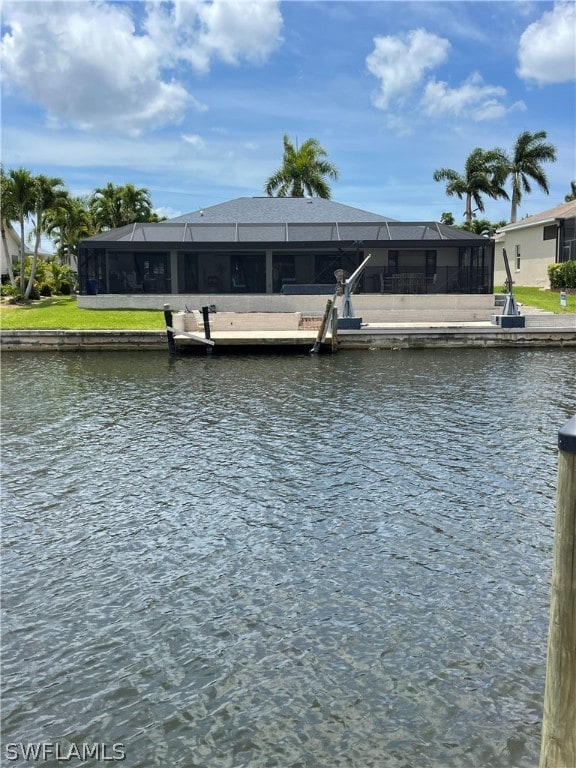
<point x="562" y="275"/>
<point x="7" y="290"/>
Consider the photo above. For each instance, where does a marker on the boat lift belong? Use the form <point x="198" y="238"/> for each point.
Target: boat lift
<point x="346" y="287"/>
<point x="510" y="317"/>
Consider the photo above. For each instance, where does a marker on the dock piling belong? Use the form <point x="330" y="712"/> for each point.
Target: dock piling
<point x="206" y="319"/>
<point x="558" y="747"/>
<point x="334" y="324"/>
<point x="322" y="330"/>
<point x="169" y="331"/>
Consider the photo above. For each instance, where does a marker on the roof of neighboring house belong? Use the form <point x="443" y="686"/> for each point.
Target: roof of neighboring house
<point x="563" y="211"/>
<point x="282" y="220"/>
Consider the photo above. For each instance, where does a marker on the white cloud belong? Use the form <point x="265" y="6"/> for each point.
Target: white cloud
<point x="401" y="62"/>
<point x="196" y="141"/>
<point x="547" y="49"/>
<point x="473" y="98"/>
<point x="86" y="64"/>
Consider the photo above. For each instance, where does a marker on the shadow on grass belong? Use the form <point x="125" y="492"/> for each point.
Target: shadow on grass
<point x="51" y="301"/>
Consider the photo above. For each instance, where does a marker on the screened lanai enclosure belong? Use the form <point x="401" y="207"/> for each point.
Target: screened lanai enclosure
<point x="204" y="253"/>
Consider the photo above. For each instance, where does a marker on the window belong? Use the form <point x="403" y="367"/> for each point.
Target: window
<point x="549" y="232"/>
<point x="517" y="249"/>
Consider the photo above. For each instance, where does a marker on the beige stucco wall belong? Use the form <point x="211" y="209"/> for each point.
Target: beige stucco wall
<point x="13" y="243"/>
<point x="455" y="306"/>
<point x="535" y="256"/>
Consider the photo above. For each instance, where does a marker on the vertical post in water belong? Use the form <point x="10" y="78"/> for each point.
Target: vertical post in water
<point x="558" y="748"/>
<point x="322" y="330"/>
<point x="206" y="318"/>
<point x="334" y="329"/>
<point x="169" y="331"/>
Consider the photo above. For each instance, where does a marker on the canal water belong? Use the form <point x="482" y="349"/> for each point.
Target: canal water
<point x="292" y="561"/>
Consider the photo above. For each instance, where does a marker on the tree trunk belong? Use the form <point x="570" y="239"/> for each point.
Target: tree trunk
<point x="22" y="255"/>
<point x="35" y="255"/>
<point x="515" y="198"/>
<point x="514" y="209"/>
<point x="468" y="212"/>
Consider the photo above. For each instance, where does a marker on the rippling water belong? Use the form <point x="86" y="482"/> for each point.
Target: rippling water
<point x="281" y="561"/>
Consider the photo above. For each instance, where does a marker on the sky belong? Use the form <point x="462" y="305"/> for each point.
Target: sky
<point x="191" y="99"/>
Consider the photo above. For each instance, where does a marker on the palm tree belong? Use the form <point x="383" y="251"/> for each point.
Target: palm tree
<point x="115" y="206"/>
<point x="104" y="205"/>
<point x="572" y="195"/>
<point x="483" y="175"/>
<point x="303" y="171"/>
<point x="525" y="165"/>
<point x="46" y="193"/>
<point x="67" y="222"/>
<point x="135" y="205"/>
<point x="18" y="200"/>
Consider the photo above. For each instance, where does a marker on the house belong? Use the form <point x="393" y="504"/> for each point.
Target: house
<point x="10" y="248"/>
<point x="535" y="242"/>
<point x="279" y="245"/>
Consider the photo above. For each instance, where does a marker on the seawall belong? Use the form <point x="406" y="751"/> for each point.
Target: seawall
<point x="370" y="336"/>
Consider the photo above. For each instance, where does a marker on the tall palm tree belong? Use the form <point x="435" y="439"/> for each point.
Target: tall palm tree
<point x="572" y="195"/>
<point x="46" y="191"/>
<point x="18" y="201"/>
<point x="525" y="165"/>
<point x="483" y="175"/>
<point x="303" y="171"/>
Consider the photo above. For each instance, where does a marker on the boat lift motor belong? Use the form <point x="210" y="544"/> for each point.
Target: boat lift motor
<point x="510" y="317"/>
<point x="346" y="288"/>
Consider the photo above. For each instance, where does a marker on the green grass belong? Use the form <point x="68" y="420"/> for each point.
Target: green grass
<point x="547" y="300"/>
<point x="62" y="313"/>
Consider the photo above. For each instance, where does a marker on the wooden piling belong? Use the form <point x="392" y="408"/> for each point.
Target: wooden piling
<point x="334" y="329"/>
<point x="206" y="319"/>
<point x="322" y="330"/>
<point x="558" y="748"/>
<point x="169" y="331"/>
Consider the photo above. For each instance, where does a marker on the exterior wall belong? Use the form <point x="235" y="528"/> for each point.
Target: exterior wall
<point x="363" y="303"/>
<point x="535" y="256"/>
<point x="13" y="242"/>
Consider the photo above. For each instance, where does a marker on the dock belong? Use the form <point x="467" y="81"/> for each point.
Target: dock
<point x="277" y="329"/>
<point x="286" y="331"/>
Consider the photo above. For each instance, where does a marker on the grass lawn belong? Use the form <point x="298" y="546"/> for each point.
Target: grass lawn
<point x="62" y="313"/>
<point x="548" y="300"/>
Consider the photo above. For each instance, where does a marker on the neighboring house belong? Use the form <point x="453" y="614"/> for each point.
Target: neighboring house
<point x="535" y="242"/>
<point x="267" y="245"/>
<point x="13" y="243"/>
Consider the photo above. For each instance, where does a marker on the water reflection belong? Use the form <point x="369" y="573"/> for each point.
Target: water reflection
<point x="281" y="561"/>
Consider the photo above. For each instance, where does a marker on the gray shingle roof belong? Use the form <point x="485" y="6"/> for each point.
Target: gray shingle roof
<point x="274" y="210"/>
<point x="282" y="220"/>
<point x="563" y="211"/>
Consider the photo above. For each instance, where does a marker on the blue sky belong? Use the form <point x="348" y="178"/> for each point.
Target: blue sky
<point x="191" y="99"/>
